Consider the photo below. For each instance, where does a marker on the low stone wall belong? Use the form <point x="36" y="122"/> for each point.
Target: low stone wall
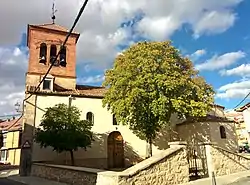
<point x="66" y="174"/>
<point x="167" y="168"/>
<point x="171" y="167"/>
<point x="226" y="162"/>
<point x="100" y="163"/>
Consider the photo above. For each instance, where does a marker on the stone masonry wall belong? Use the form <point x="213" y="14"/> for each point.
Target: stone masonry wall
<point x="168" y="168"/>
<point x="171" y="170"/>
<point x="226" y="162"/>
<point x="66" y="174"/>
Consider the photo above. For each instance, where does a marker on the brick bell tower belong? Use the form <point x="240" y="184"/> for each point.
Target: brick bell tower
<point x="44" y="42"/>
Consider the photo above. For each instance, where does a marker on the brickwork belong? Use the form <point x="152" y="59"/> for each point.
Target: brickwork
<point x="64" y="76"/>
<point x="38" y="36"/>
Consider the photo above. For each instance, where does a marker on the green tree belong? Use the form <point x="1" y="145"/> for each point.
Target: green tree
<point x="148" y="83"/>
<point x="63" y="130"/>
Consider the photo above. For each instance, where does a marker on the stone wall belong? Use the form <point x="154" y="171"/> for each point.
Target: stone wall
<point x="226" y="162"/>
<point x="99" y="163"/>
<point x="167" y="168"/>
<point x="66" y="174"/>
<point x="170" y="170"/>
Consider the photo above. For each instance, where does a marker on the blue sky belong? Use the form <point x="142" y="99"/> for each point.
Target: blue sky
<point x="214" y="34"/>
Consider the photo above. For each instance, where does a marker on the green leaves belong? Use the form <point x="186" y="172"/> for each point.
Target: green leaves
<point x="149" y="82"/>
<point x="62" y="129"/>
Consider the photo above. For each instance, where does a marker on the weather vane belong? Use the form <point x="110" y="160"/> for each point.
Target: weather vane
<point x="53" y="17"/>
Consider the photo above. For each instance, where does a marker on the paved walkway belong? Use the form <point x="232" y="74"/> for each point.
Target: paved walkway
<point x="5" y="181"/>
<point x="241" y="178"/>
<point x="242" y="181"/>
<point x="11" y="177"/>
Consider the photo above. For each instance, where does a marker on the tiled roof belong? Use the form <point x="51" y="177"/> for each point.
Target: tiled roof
<point x="81" y="90"/>
<point x="11" y="125"/>
<point x="208" y="118"/>
<point x="244" y="107"/>
<point x="52" y="26"/>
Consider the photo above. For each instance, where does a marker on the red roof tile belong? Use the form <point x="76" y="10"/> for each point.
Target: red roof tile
<point x="81" y="90"/>
<point x="244" y="107"/>
<point x="52" y="26"/>
<point x="14" y="124"/>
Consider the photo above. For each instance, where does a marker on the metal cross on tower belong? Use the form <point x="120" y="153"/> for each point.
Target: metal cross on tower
<point x="53" y="17"/>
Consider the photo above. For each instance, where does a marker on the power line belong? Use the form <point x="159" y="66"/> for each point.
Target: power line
<point x="242" y="100"/>
<point x="52" y="64"/>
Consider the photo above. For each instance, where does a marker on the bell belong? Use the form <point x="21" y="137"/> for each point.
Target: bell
<point x="63" y="62"/>
<point x="42" y="59"/>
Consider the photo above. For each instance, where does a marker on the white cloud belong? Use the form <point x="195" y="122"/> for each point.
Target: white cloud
<point x="234" y="90"/>
<point x="236" y="85"/>
<point x="242" y="70"/>
<point x="91" y="79"/>
<point x="214" y="22"/>
<point x="13" y="65"/>
<point x="197" y="54"/>
<point x="222" y="61"/>
<point x="158" y="28"/>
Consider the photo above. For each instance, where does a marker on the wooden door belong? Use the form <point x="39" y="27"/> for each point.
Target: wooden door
<point x="115" y="150"/>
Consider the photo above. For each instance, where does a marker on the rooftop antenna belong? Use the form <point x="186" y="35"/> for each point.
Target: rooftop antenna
<point x="53" y="17"/>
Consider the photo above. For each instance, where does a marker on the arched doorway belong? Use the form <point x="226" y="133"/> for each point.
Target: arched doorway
<point x="115" y="150"/>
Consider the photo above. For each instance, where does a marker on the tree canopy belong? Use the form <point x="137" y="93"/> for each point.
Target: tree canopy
<point x="149" y="82"/>
<point x="63" y="130"/>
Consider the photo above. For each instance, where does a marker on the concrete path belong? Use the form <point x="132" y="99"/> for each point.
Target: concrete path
<point x="233" y="179"/>
<point x="241" y="181"/>
<point x="11" y="177"/>
<point x="5" y="181"/>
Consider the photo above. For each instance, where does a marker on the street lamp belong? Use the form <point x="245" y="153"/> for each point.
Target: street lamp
<point x="17" y="107"/>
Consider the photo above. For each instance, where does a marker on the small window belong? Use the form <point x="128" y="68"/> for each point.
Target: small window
<point x="63" y="62"/>
<point x="47" y="84"/>
<point x="20" y="139"/>
<point x="223" y="132"/>
<point x="90" y="117"/>
<point x="4" y="140"/>
<point x="53" y="53"/>
<point x="43" y="53"/>
<point x="114" y="120"/>
<point x="4" y="155"/>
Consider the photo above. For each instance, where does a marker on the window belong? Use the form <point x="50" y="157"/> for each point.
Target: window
<point x="43" y="53"/>
<point x="223" y="132"/>
<point x="114" y="120"/>
<point x="53" y="53"/>
<point x="90" y="117"/>
<point x="20" y="139"/>
<point x="63" y="62"/>
<point x="4" y="140"/>
<point x="47" y="84"/>
<point x="4" y="155"/>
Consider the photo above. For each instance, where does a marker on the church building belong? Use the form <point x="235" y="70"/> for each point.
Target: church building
<point x="115" y="145"/>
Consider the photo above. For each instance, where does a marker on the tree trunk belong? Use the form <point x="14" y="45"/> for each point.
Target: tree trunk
<point x="72" y="158"/>
<point x="149" y="148"/>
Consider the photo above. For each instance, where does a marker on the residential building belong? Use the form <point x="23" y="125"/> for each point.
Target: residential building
<point x="240" y="126"/>
<point x="243" y="122"/>
<point x="12" y="134"/>
<point x="115" y="145"/>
